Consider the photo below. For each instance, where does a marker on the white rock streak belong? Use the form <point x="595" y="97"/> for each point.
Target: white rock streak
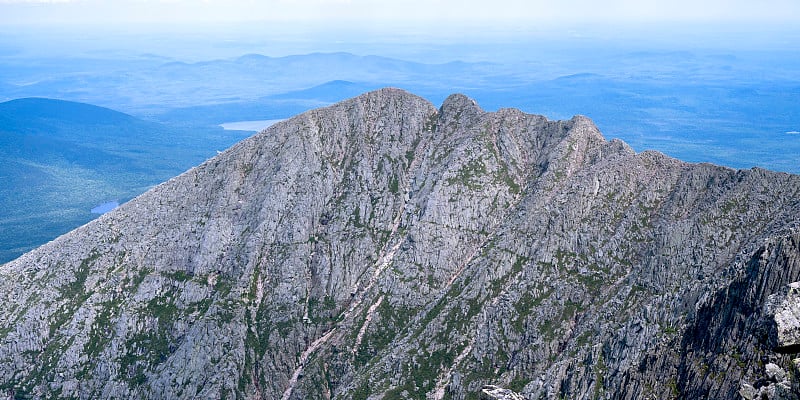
<point x="367" y="320"/>
<point x="302" y="362"/>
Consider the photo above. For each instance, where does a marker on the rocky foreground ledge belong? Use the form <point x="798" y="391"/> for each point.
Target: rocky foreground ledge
<point x="384" y="248"/>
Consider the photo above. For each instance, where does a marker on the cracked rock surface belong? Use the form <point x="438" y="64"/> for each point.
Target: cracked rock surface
<point x="784" y="307"/>
<point x="384" y="248"/>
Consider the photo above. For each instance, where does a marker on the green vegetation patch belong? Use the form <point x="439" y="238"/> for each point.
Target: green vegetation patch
<point x="424" y="374"/>
<point x="321" y="311"/>
<point x="549" y="327"/>
<point x="469" y="173"/>
<point x="102" y="330"/>
<point x="389" y="322"/>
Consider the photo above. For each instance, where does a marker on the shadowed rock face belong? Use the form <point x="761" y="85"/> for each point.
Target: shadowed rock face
<point x="381" y="247"/>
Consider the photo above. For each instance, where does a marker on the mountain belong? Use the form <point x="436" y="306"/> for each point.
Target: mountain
<point x="60" y="159"/>
<point x="736" y="124"/>
<point x="146" y="85"/>
<point x="328" y="92"/>
<point x="729" y="107"/>
<point x="54" y="113"/>
<point x="277" y="106"/>
<point x="384" y="248"/>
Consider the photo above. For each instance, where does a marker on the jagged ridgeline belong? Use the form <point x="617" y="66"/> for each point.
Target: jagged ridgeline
<point x="381" y="248"/>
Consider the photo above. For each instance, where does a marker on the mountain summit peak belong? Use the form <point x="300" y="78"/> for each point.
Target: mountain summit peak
<point x="458" y="107"/>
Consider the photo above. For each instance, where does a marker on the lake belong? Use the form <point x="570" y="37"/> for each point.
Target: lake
<point x="255" y="126"/>
<point x="105" y="207"/>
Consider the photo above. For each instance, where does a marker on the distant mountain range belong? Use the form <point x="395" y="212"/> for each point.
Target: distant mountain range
<point x="153" y="85"/>
<point x="60" y="159"/>
<point x="268" y="107"/>
<point x="723" y="107"/>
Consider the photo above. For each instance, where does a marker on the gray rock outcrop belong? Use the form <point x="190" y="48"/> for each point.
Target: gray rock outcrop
<point x="776" y="386"/>
<point x="491" y="392"/>
<point x="784" y="307"/>
<point x="383" y="248"/>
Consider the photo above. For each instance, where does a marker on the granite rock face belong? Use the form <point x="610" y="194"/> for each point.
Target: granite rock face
<point x="383" y="248"/>
<point x="491" y="392"/>
<point x="784" y="307"/>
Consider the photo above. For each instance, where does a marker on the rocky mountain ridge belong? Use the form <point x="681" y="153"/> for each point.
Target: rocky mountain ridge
<point x="383" y="248"/>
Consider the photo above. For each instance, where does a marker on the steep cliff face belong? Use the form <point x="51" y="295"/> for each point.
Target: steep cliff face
<point x="383" y="248"/>
<point x="734" y="336"/>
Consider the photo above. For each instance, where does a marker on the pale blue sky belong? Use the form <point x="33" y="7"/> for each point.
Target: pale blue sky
<point x="333" y="12"/>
